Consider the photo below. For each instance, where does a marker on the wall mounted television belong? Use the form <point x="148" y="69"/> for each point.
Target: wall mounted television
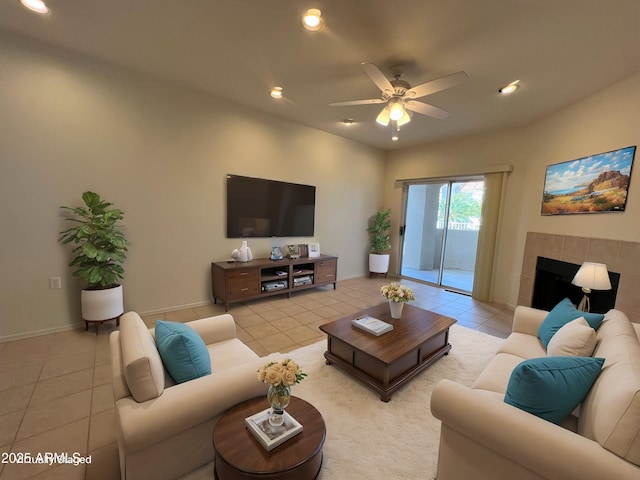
<point x="258" y="207"/>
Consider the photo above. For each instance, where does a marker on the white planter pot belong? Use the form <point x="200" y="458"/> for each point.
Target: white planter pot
<point x="378" y="263"/>
<point x="102" y="304"/>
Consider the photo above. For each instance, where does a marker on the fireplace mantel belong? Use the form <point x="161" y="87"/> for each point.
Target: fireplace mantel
<point x="619" y="256"/>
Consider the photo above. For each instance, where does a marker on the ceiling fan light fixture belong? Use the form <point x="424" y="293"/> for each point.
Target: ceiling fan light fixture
<point x="276" y="92"/>
<point x="396" y="110"/>
<point x="37" y="6"/>
<point x="404" y="119"/>
<point x="312" y="20"/>
<point x="383" y="117"/>
<point x="510" y="88"/>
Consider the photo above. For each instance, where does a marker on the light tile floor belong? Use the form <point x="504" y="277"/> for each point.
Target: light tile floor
<point x="55" y="390"/>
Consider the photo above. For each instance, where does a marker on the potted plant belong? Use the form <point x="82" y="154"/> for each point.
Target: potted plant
<point x="98" y="256"/>
<point x="379" y="230"/>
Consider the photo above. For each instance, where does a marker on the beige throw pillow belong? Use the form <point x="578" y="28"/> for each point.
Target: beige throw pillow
<point x="575" y="338"/>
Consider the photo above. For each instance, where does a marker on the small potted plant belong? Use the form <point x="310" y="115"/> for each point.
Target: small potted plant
<point x="98" y="256"/>
<point x="379" y="241"/>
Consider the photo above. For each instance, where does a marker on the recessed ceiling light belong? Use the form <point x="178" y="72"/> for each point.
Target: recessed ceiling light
<point x="394" y="138"/>
<point x="348" y="121"/>
<point x="276" y="92"/>
<point x="510" y="88"/>
<point x="312" y="20"/>
<point x="37" y="6"/>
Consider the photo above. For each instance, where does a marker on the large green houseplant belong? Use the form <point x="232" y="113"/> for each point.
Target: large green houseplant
<point x="379" y="240"/>
<point x="99" y="253"/>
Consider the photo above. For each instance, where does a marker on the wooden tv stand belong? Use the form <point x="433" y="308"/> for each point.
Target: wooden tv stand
<point x="233" y="282"/>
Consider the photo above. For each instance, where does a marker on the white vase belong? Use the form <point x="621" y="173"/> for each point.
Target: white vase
<point x="396" y="308"/>
<point x="243" y="256"/>
<point x="102" y="304"/>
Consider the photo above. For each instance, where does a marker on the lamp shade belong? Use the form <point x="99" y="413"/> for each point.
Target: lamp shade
<point x="593" y="276"/>
<point x="383" y="117"/>
<point x="404" y="119"/>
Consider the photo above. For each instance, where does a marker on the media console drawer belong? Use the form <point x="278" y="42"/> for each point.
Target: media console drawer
<point x="233" y="282"/>
<point x="243" y="283"/>
<point x="326" y="271"/>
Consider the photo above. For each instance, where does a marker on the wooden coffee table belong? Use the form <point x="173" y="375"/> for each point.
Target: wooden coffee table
<point x="385" y="363"/>
<point x="239" y="456"/>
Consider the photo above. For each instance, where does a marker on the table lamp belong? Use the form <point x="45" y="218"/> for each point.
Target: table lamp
<point x="591" y="276"/>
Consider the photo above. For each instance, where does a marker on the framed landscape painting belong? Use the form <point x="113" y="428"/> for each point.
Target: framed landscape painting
<point x="595" y="184"/>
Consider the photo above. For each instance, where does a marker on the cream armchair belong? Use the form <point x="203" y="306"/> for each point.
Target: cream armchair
<point x="167" y="431"/>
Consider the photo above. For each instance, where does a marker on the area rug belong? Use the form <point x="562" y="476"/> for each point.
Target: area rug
<point x="367" y="438"/>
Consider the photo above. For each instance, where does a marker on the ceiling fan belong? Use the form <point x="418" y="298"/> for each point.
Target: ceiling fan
<point x="400" y="96"/>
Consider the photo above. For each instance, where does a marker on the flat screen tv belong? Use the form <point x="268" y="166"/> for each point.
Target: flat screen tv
<point x="258" y="207"/>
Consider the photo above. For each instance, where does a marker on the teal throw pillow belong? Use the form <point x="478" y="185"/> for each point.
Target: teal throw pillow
<point x="551" y="387"/>
<point x="182" y="350"/>
<point x="563" y="313"/>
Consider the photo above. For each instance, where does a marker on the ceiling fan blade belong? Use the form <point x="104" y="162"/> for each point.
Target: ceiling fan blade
<point x="434" y="86"/>
<point x="378" y="78"/>
<point x="425" y="109"/>
<point x="358" y="102"/>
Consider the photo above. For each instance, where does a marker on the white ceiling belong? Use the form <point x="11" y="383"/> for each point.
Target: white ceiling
<point x="561" y="50"/>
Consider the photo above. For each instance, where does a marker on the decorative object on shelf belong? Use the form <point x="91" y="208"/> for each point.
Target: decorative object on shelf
<point x="280" y="376"/>
<point x="379" y="241"/>
<point x="304" y="250"/>
<point x="98" y="257"/>
<point x="595" y="184"/>
<point x="398" y="295"/>
<point x="314" y="250"/>
<point x="271" y="436"/>
<point x="591" y="276"/>
<point x="293" y="251"/>
<point x="276" y="253"/>
<point x="242" y="254"/>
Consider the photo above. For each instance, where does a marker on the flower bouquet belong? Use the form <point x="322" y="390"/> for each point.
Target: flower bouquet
<point x="397" y="293"/>
<point x="280" y="376"/>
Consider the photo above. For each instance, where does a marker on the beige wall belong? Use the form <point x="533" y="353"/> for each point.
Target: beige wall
<point x="160" y="153"/>
<point x="605" y="121"/>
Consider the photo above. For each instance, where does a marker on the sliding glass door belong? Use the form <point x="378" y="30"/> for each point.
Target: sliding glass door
<point x="442" y="221"/>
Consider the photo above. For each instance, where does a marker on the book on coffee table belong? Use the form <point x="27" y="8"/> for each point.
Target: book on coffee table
<point x="268" y="435"/>
<point x="372" y="325"/>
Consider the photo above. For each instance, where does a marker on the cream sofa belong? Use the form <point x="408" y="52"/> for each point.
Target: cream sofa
<point x="484" y="438"/>
<point x="167" y="432"/>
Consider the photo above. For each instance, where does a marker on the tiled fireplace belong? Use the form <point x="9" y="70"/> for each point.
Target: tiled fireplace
<point x="620" y="257"/>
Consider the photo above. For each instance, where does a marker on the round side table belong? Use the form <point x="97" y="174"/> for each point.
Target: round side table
<point x="239" y="455"/>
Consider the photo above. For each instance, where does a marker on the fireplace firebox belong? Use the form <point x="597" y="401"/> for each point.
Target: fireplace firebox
<point x="553" y="283"/>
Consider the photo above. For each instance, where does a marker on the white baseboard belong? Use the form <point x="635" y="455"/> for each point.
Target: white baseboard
<point x="37" y="333"/>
